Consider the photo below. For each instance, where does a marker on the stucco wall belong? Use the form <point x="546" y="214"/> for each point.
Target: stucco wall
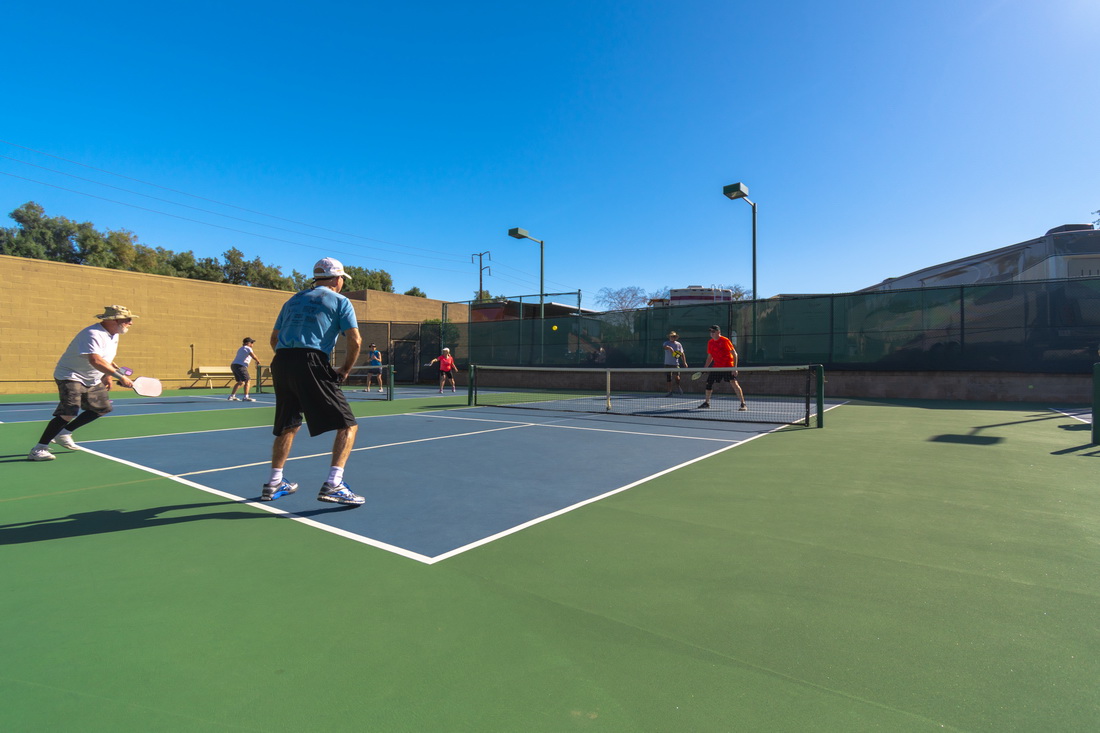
<point x="182" y="323"/>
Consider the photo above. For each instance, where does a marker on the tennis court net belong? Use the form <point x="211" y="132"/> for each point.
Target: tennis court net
<point x="785" y="395"/>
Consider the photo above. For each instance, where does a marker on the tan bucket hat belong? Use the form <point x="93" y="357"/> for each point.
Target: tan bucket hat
<point x="115" y="313"/>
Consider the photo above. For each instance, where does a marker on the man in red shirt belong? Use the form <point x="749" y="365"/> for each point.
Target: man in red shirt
<point x="721" y="353"/>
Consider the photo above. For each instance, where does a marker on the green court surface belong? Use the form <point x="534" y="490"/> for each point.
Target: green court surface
<point x="911" y="567"/>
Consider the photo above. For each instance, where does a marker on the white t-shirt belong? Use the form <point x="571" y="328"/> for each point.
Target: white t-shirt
<point x="73" y="364"/>
<point x="244" y="356"/>
<point x="671" y="360"/>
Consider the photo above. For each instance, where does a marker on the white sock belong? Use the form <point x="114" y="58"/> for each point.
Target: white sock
<point x="335" y="475"/>
<point x="276" y="476"/>
<point x="42" y="446"/>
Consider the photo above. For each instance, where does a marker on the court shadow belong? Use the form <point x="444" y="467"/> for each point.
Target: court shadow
<point x="112" y="520"/>
<point x="966" y="439"/>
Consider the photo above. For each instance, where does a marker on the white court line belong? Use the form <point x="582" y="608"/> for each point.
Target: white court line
<point x="356" y="450"/>
<point x="1075" y="417"/>
<point x="273" y="510"/>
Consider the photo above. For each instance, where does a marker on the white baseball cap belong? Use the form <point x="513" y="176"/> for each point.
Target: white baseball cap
<point x="328" y="267"/>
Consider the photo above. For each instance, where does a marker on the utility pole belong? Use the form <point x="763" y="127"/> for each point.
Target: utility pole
<point x="480" y="269"/>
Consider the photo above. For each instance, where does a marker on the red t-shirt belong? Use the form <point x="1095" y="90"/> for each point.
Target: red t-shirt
<point x="446" y="363"/>
<point x="721" y="351"/>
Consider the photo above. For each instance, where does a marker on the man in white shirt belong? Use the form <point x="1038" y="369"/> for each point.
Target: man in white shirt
<point x="83" y="375"/>
<point x="245" y="354"/>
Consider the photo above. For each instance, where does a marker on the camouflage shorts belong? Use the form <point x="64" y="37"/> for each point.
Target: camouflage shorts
<point x="74" y="396"/>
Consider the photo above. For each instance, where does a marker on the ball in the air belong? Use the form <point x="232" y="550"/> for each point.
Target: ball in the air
<point x="553" y="328"/>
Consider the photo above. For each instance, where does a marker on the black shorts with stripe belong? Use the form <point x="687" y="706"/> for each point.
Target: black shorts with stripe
<point x="306" y="384"/>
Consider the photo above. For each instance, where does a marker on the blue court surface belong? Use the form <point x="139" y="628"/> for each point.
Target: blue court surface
<point x="441" y="482"/>
<point x="128" y="404"/>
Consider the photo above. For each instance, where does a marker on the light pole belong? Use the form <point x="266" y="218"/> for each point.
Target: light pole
<point x="741" y="191"/>
<point x="518" y="233"/>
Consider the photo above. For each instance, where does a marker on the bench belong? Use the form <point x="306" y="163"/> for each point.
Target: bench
<point x="214" y="372"/>
<point x="210" y="373"/>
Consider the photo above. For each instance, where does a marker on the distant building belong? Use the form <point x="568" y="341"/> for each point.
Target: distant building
<point x="1068" y="251"/>
<point x="694" y="295"/>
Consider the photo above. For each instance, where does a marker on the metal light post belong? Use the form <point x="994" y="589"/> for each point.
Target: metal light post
<point x="518" y="233"/>
<point x="741" y="191"/>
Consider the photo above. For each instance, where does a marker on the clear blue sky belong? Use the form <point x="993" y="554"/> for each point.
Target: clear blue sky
<point x="877" y="138"/>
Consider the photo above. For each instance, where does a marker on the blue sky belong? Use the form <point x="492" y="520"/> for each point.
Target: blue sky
<point x="876" y="138"/>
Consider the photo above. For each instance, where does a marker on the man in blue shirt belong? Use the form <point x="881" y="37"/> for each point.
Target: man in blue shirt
<point x="305" y="334"/>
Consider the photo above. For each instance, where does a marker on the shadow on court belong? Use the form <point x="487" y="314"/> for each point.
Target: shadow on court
<point x="103" y="521"/>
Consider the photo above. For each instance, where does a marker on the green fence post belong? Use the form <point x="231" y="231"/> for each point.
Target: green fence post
<point x="470" y="386"/>
<point x="1095" y="402"/>
<point x="820" y="395"/>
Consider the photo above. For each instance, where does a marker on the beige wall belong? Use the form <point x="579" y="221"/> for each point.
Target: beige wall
<point x="43" y="305"/>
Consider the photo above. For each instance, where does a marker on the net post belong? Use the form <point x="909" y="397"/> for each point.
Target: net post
<point x="1095" y="402"/>
<point x="470" y="386"/>
<point x="607" y="374"/>
<point x="389" y="383"/>
<point x="820" y="369"/>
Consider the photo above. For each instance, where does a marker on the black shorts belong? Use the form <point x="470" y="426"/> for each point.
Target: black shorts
<point x="713" y="377"/>
<point x="375" y="371"/>
<point x="74" y="395"/>
<point x="240" y="372"/>
<point x="306" y="383"/>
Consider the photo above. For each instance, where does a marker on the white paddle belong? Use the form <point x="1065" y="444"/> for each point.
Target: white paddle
<point x="148" y="386"/>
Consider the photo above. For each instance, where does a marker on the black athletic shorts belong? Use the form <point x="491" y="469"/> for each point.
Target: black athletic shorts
<point x="240" y="372"/>
<point x="306" y="383"/>
<point x="713" y="377"/>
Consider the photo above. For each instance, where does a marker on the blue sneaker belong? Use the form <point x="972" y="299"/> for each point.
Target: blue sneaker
<point x="339" y="494"/>
<point x="274" y="491"/>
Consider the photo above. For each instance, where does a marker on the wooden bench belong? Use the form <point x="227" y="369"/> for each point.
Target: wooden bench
<point x="214" y="372"/>
<point x="210" y="373"/>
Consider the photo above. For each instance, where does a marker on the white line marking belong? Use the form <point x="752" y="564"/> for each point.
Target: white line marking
<point x="1075" y="417"/>
<point x="356" y="450"/>
<point x="273" y="510"/>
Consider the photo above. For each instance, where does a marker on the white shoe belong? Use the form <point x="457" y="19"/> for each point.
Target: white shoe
<point x="233" y="398"/>
<point x="65" y="440"/>
<point x="40" y="454"/>
<point x="248" y="399"/>
<point x="379" y="390"/>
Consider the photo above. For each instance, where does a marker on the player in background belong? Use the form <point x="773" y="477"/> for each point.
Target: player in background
<point x="674" y="357"/>
<point x="374" y="368"/>
<point x="83" y="375"/>
<point x="245" y="354"/>
<point x="446" y="369"/>
<point x="722" y="354"/>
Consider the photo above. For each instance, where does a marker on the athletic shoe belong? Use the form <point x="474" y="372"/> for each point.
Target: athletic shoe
<point x="379" y="390"/>
<point x="232" y="398"/>
<point x="274" y="491"/>
<point x="742" y="408"/>
<point x="248" y="399"/>
<point x="65" y="440"/>
<point x="441" y="391"/>
<point x="40" y="454"/>
<point x="668" y="394"/>
<point x="338" y="494"/>
<point x="703" y="406"/>
<point x="454" y="390"/>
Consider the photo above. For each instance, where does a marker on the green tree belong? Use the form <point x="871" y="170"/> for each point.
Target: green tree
<point x="361" y="278"/>
<point x="416" y="292"/>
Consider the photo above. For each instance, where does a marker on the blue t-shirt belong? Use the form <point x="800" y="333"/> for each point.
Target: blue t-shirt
<point x="375" y="357"/>
<point x="312" y="319"/>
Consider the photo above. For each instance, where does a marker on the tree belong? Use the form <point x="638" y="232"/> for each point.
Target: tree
<point x="364" y="279"/>
<point x="416" y="292"/>
<point x="622" y="299"/>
